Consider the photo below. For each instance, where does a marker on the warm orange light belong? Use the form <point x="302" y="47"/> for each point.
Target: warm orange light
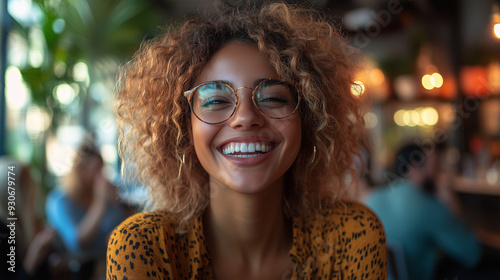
<point x="358" y="88"/>
<point x="437" y="80"/>
<point x="495" y="20"/>
<point x="496" y="30"/>
<point x="377" y="77"/>
<point x="427" y="82"/>
<point x="474" y="81"/>
<point x="430" y="82"/>
<point x="420" y="116"/>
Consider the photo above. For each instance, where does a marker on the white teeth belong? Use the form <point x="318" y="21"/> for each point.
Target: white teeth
<point x="253" y="149"/>
<point x="245" y="155"/>
<point x="244" y="148"/>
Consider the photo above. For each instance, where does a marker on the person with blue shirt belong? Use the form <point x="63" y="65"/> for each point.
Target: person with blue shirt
<point x="85" y="210"/>
<point x="415" y="219"/>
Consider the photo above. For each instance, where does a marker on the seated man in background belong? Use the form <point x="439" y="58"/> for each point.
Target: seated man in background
<point x="416" y="219"/>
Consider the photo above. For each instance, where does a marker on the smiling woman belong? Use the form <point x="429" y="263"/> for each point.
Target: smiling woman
<point x="243" y="126"/>
<point x="249" y="124"/>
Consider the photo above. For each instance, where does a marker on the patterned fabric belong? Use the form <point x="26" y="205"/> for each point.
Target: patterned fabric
<point x="348" y="242"/>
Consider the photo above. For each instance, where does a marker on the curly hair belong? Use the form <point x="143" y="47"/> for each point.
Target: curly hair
<point x="301" y="45"/>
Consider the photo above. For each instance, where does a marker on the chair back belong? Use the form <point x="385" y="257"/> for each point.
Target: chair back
<point x="396" y="262"/>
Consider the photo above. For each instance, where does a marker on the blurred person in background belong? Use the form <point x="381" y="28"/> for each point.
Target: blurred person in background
<point x="438" y="178"/>
<point x="416" y="219"/>
<point x="84" y="211"/>
<point x="33" y="240"/>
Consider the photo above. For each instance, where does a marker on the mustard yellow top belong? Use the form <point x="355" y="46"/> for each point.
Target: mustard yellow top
<point x="347" y="243"/>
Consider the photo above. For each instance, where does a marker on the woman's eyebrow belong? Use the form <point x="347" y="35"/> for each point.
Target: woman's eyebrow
<point x="255" y="82"/>
<point x="221" y="81"/>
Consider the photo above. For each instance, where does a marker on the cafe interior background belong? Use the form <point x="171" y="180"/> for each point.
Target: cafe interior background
<point x="432" y="71"/>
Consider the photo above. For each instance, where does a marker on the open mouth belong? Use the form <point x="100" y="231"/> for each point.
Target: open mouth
<point x="247" y="150"/>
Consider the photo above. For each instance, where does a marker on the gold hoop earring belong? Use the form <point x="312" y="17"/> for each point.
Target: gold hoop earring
<point x="183" y="162"/>
<point x="314" y="154"/>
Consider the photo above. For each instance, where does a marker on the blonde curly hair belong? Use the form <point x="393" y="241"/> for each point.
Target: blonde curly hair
<point x="301" y="45"/>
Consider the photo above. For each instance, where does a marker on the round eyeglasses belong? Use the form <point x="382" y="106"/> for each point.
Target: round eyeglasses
<point x="216" y="102"/>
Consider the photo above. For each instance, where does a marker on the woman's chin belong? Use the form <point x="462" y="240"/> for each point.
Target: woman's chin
<point x="248" y="186"/>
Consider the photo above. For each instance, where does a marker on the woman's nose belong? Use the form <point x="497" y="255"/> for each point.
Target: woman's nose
<point x="247" y="115"/>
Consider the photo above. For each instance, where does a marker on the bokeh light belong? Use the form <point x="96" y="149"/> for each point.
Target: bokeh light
<point x="421" y="116"/>
<point x="429" y="116"/>
<point x="415" y="118"/>
<point x="427" y="82"/>
<point x="430" y="82"/>
<point x="36" y="48"/>
<point x="437" y="80"/>
<point x="37" y="120"/>
<point x="371" y="120"/>
<point x="398" y="117"/>
<point x="64" y="93"/>
<point x="377" y="77"/>
<point x="407" y="119"/>
<point x="60" y="69"/>
<point x="496" y="30"/>
<point x="81" y="72"/>
<point x="58" y="25"/>
<point x="358" y="88"/>
<point x="16" y="91"/>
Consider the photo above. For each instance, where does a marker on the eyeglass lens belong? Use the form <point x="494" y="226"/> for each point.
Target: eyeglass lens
<point x="216" y="102"/>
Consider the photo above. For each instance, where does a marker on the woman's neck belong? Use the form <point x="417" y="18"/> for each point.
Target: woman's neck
<point x="250" y="228"/>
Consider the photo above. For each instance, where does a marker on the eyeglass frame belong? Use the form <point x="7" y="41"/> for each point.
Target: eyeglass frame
<point x="189" y="95"/>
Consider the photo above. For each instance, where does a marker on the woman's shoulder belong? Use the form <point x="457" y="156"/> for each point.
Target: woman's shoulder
<point x="362" y="239"/>
<point x="349" y="211"/>
<point x="137" y="243"/>
<point x="347" y="218"/>
<point x="350" y="232"/>
<point x="148" y="245"/>
<point x="356" y="216"/>
<point x="146" y="222"/>
<point x="345" y="210"/>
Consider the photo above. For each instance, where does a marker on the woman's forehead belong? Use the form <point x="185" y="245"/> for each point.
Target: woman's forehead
<point x="237" y="63"/>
